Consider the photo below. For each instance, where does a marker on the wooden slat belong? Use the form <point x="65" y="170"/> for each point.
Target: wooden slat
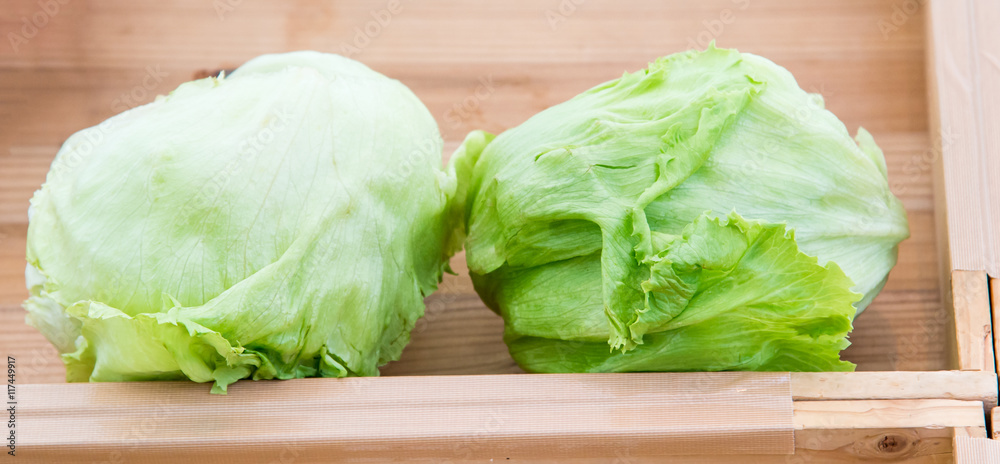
<point x="920" y="445"/>
<point x="440" y="31"/>
<point x="995" y="310"/>
<point x="887" y="413"/>
<point x="909" y="446"/>
<point x="995" y="422"/>
<point x="970" y="432"/>
<point x="430" y="418"/>
<point x="976" y="450"/>
<point x="296" y="416"/>
<point x="12" y="262"/>
<point x="964" y="84"/>
<point x="973" y="325"/>
<point x="958" y="385"/>
<point x="459" y="336"/>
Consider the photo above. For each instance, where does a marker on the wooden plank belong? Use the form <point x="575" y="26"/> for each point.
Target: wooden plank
<point x="845" y="429"/>
<point x="920" y="445"/>
<point x="887" y="413"/>
<point x="12" y="261"/>
<point x="311" y="419"/>
<point x="522" y="416"/>
<point x="973" y="327"/>
<point x="442" y="31"/>
<point x="995" y="310"/>
<point x="964" y="84"/>
<point x="957" y="385"/>
<point x="995" y="422"/>
<point x="970" y="432"/>
<point x="901" y="446"/>
<point x="976" y="450"/>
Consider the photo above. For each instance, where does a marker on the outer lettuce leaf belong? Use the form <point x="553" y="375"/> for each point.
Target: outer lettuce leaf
<point x="726" y="295"/>
<point x="285" y="221"/>
<point x="586" y="196"/>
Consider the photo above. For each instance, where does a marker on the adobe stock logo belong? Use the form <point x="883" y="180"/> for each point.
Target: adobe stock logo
<point x="901" y="14"/>
<point x="30" y="27"/>
<point x="565" y="9"/>
<point x="470" y="104"/>
<point x="363" y="35"/>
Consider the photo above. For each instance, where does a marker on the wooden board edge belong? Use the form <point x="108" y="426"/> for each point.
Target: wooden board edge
<point x="970" y="432"/>
<point x="975" y="450"/>
<point x="919" y="445"/>
<point x="938" y="165"/>
<point x="825" y="431"/>
<point x="995" y="423"/>
<point x="867" y="414"/>
<point x="994" y="289"/>
<point x="931" y="444"/>
<point x="957" y="385"/>
<point x="884" y="430"/>
<point x="962" y="85"/>
<point x="804" y="386"/>
<point x="973" y="322"/>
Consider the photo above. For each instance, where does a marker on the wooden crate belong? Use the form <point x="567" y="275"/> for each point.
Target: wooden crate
<point x="925" y="89"/>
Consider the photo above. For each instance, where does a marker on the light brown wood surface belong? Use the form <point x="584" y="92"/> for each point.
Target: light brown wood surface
<point x="995" y="313"/>
<point x="964" y="83"/>
<point x="976" y="450"/>
<point x="70" y="74"/>
<point x="973" y="322"/>
<point x="957" y="385"/>
<point x="145" y="422"/>
<point x="995" y="422"/>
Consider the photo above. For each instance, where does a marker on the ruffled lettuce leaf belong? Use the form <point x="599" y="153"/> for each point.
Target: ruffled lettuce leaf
<point x="728" y="294"/>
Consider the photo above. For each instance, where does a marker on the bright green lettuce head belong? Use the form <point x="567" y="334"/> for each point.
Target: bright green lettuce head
<point x="702" y="214"/>
<point x="285" y="221"/>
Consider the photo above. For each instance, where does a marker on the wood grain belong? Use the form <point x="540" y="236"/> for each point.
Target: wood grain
<point x="958" y="385"/>
<point x="964" y="72"/>
<point x="995" y="318"/>
<point x="886" y="413"/>
<point x="95" y="421"/>
<point x="973" y="324"/>
<point x="442" y="417"/>
<point x="976" y="450"/>
<point x="922" y="445"/>
<point x="995" y="422"/>
<point x="901" y="446"/>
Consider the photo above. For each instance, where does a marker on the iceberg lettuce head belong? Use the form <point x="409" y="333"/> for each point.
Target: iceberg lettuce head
<point x="705" y="213"/>
<point x="285" y="221"/>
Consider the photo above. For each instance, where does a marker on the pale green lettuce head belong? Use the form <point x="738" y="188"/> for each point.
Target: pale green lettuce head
<point x="702" y="214"/>
<point x="285" y="221"/>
